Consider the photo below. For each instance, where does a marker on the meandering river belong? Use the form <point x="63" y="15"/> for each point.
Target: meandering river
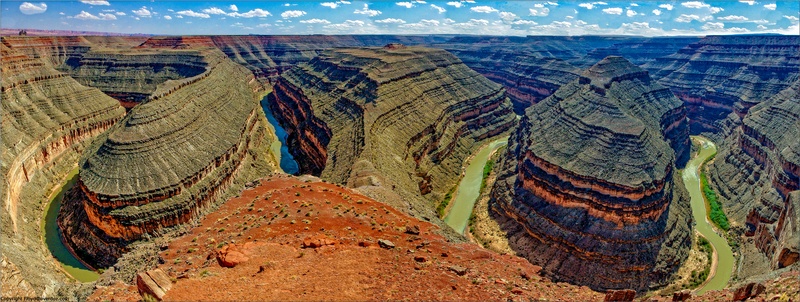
<point x="279" y="148"/>
<point x="470" y="186"/>
<point x="722" y="266"/>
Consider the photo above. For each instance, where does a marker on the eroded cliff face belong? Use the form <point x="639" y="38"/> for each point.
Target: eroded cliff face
<point x="395" y="121"/>
<point x="169" y="161"/>
<point x="48" y="119"/>
<point x="588" y="188"/>
<point x="720" y="75"/>
<point x="757" y="175"/>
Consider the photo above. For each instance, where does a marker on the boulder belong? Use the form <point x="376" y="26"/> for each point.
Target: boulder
<point x="620" y="295"/>
<point x="683" y="295"/>
<point x="459" y="270"/>
<point x="230" y="256"/>
<point x="154" y="283"/>
<point x="385" y="244"/>
<point x="747" y="291"/>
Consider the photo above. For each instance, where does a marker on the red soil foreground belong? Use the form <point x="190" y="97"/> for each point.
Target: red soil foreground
<point x="302" y="239"/>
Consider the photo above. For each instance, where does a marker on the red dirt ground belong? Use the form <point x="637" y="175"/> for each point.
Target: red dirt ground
<point x="269" y="224"/>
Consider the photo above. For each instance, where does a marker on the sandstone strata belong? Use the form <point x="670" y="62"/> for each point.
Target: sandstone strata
<point x="168" y="161"/>
<point x="588" y="188"/>
<point x="394" y="120"/>
<point x="757" y="176"/>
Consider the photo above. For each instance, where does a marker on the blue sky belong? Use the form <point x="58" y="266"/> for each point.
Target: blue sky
<point x="647" y="18"/>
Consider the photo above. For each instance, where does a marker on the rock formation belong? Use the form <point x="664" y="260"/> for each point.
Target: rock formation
<point x="398" y="118"/>
<point x="588" y="188"/>
<point x="639" y="51"/>
<point x="757" y="176"/>
<point x="168" y="161"/>
<point x="48" y="119"/>
<point x="720" y="75"/>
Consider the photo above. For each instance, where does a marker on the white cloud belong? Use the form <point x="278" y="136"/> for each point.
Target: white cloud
<point x="62" y="13"/>
<point x="260" y="13"/>
<point x="142" y="12"/>
<point x="749" y="2"/>
<point x="438" y="8"/>
<point x="666" y="6"/>
<point x="630" y="13"/>
<point x="613" y="11"/>
<point x="191" y="13"/>
<point x="657" y="12"/>
<point x="733" y="18"/>
<point x="484" y="9"/>
<point x="524" y="22"/>
<point x="539" y="12"/>
<point x="292" y="14"/>
<point x="695" y="4"/>
<point x="214" y="11"/>
<point x="346" y="25"/>
<point x="330" y="4"/>
<point x="684" y="18"/>
<point x="713" y="26"/>
<point x="102" y="16"/>
<point x="634" y="4"/>
<point x="265" y="25"/>
<point x="233" y="7"/>
<point x="365" y="11"/>
<point x="792" y="18"/>
<point x="391" y="21"/>
<point x="423" y="24"/>
<point x="168" y="17"/>
<point x="95" y="2"/>
<point x="121" y="14"/>
<point x="508" y="16"/>
<point x="31" y="9"/>
<point x="456" y="4"/>
<point x="761" y="26"/>
<point x="406" y="4"/>
<point x="538" y="5"/>
<point x="586" y="5"/>
<point x="315" y="21"/>
<point x="771" y="6"/>
<point x="715" y="10"/>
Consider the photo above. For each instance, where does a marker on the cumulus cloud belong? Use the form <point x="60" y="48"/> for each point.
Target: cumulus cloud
<point x="657" y="12"/>
<point x="260" y="13"/>
<point x="391" y="21"/>
<point x="456" y="4"/>
<point x="405" y="4"/>
<point x="365" y="11"/>
<point x="95" y="2"/>
<point x="214" y="11"/>
<point x="346" y="25"/>
<point x="612" y="11"/>
<point x="524" y="22"/>
<point x="713" y="26"/>
<point x="233" y="7"/>
<point x="484" y="9"/>
<point x="634" y="4"/>
<point x="666" y="6"/>
<point x="422" y="24"/>
<point x="102" y="16"/>
<point x="771" y="6"/>
<point x="315" y="21"/>
<point x="191" y="13"/>
<point x="121" y="14"/>
<point x="438" y="8"/>
<point x="168" y="17"/>
<point x="733" y="18"/>
<point x="749" y="2"/>
<point x="508" y="16"/>
<point x="32" y="9"/>
<point x="684" y="18"/>
<point x="292" y="14"/>
<point x="539" y="12"/>
<point x="142" y="12"/>
<point x="330" y="4"/>
<point x="695" y="4"/>
<point x="586" y="5"/>
<point x="792" y="18"/>
<point x="715" y="10"/>
<point x="630" y="13"/>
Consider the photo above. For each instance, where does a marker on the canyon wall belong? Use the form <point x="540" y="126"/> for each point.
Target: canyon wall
<point x="720" y="75"/>
<point x="48" y="119"/>
<point x="396" y="122"/>
<point x="589" y="188"/>
<point x="169" y="161"/>
<point x="757" y="176"/>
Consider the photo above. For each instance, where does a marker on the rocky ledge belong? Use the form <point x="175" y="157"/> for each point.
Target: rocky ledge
<point x="395" y="121"/>
<point x="757" y="175"/>
<point x="588" y="188"/>
<point x="168" y="161"/>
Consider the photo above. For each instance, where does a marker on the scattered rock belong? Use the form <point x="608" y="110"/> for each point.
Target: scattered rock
<point x="420" y="259"/>
<point x="444" y="254"/>
<point x="318" y="241"/>
<point x="683" y="295"/>
<point x="385" y="244"/>
<point x="750" y="290"/>
<point x="620" y="295"/>
<point x="516" y="291"/>
<point x="230" y="256"/>
<point x="363" y="244"/>
<point x="459" y="270"/>
<point x="413" y="230"/>
<point x="154" y="283"/>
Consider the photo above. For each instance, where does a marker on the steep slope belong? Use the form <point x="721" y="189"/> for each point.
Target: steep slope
<point x="640" y="52"/>
<point x="170" y="160"/>
<point x="588" y="186"/>
<point x="720" y="75"/>
<point x="310" y="240"/>
<point x="757" y="175"/>
<point x="392" y="120"/>
<point x="48" y="119"/>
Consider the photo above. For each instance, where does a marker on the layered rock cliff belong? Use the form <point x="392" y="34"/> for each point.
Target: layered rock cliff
<point x="639" y="51"/>
<point x="48" y="119"/>
<point x="395" y="121"/>
<point x="169" y="161"/>
<point x="588" y="188"/>
<point x="720" y="75"/>
<point x="757" y="176"/>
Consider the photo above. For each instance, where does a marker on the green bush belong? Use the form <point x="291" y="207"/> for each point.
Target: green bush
<point x="716" y="214"/>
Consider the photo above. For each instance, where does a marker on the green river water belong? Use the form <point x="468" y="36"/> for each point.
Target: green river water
<point x="691" y="179"/>
<point x="52" y="236"/>
<point x="469" y="187"/>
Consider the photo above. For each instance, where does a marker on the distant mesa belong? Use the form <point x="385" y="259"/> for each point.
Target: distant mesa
<point x="589" y="189"/>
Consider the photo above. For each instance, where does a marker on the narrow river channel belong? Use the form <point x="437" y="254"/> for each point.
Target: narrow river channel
<point x="279" y="148"/>
<point x="52" y="236"/>
<point x="469" y="188"/>
<point x="724" y="255"/>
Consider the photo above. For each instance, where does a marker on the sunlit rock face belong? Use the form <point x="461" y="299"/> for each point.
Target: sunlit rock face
<point x="394" y="120"/>
<point x="588" y="188"/>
